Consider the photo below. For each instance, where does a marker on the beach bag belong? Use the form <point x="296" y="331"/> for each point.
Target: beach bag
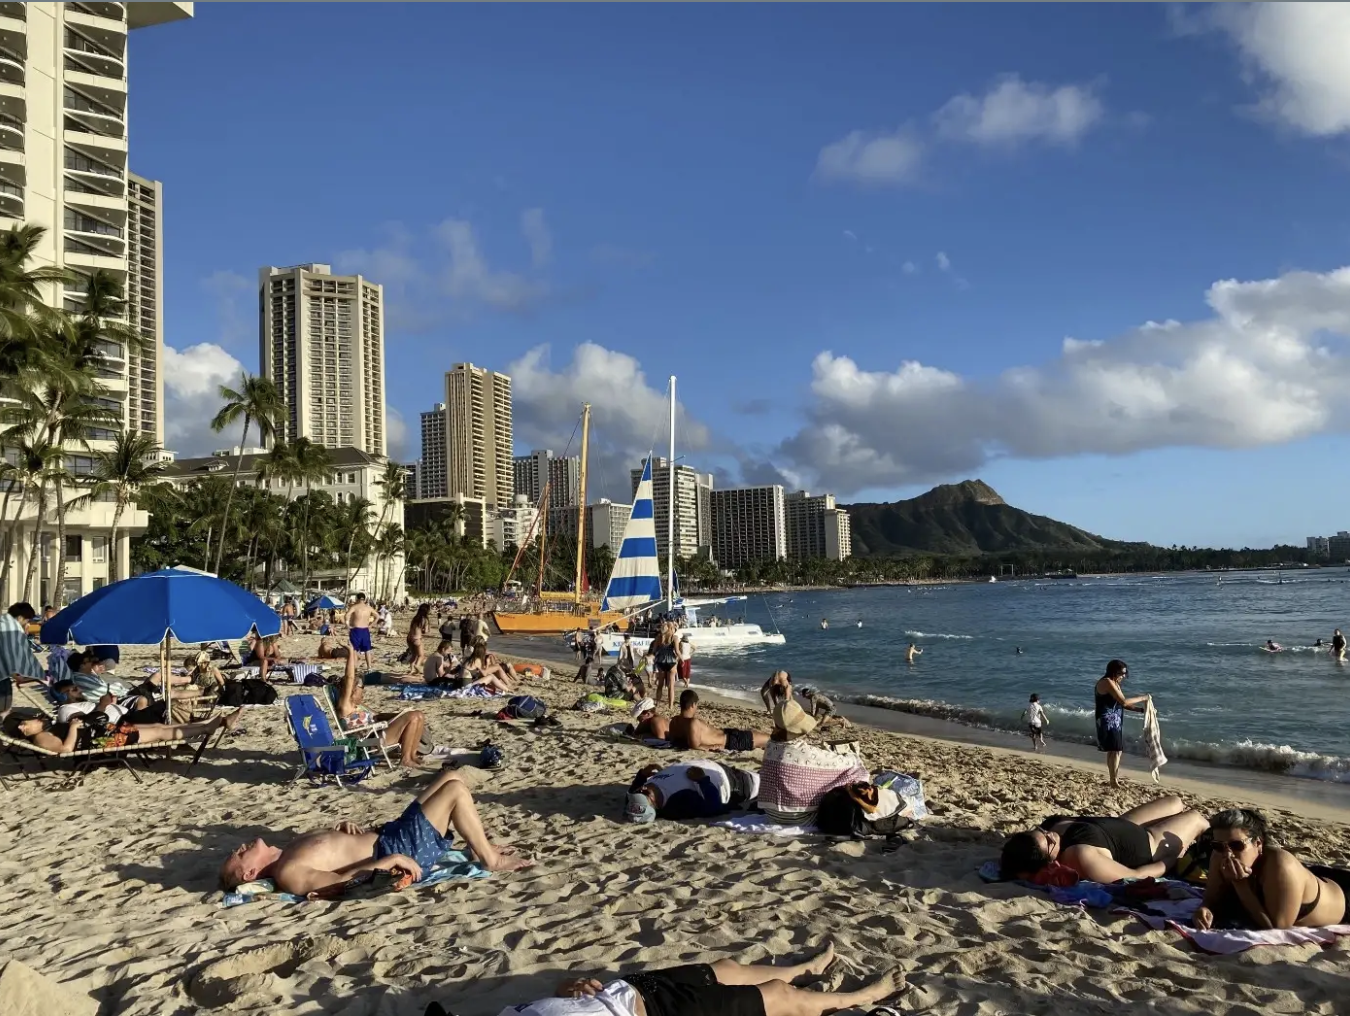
<point x="526" y="707"/>
<point x="844" y="812"/>
<point x="250" y="691"/>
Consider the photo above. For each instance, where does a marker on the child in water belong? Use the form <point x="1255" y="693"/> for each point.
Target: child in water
<point x="1036" y="722"/>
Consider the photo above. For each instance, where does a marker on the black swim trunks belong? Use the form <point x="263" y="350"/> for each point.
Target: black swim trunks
<point x="694" y="991"/>
<point x="740" y="740"/>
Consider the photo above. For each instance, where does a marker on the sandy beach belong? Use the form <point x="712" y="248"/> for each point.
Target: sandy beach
<point x="110" y="887"/>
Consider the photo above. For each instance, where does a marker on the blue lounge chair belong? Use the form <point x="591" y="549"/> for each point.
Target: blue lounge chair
<point x="323" y="756"/>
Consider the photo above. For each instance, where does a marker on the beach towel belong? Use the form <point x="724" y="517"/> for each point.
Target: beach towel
<point x="796" y="776"/>
<point x="16" y="656"/>
<point x="1153" y="738"/>
<point x="1226" y="941"/>
<point x="422" y="692"/>
<point x="453" y="864"/>
<point x="762" y="825"/>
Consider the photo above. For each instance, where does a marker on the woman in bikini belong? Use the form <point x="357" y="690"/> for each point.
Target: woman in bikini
<point x="1145" y="842"/>
<point x="1265" y="886"/>
<point x="404" y="728"/>
<point x="416" y="630"/>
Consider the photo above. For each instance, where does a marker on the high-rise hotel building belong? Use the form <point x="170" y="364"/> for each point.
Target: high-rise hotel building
<point x="64" y="166"/>
<point x="322" y="344"/>
<point x="478" y="437"/>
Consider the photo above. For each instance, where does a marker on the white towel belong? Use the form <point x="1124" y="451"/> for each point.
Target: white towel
<point x="1153" y="738"/>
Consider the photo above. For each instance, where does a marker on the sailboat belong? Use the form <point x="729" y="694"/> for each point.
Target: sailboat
<point x="635" y="583"/>
<point x="560" y="613"/>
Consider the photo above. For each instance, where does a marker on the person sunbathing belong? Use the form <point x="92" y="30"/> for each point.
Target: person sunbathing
<point x="76" y="735"/>
<point x="1145" y="842"/>
<point x="724" y="988"/>
<point x="650" y="723"/>
<point x="688" y="731"/>
<point x="1263" y="885"/>
<point x="684" y="790"/>
<point x="328" y="651"/>
<point x="405" y="729"/>
<point x="411" y="843"/>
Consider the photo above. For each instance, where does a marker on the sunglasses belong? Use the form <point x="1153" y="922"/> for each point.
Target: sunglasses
<point x="1232" y="847"/>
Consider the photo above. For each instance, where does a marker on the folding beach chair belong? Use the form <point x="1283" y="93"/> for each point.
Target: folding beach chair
<point x="370" y="735"/>
<point x="322" y="755"/>
<point x="78" y="764"/>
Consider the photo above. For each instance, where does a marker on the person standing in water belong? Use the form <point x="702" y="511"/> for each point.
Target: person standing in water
<point x="1037" y="721"/>
<point x="912" y="652"/>
<point x="1338" y="646"/>
<point x="1108" y="707"/>
<point x="824" y="623"/>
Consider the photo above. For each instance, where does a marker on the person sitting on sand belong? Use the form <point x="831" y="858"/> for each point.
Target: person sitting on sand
<point x="700" y="789"/>
<point x="1145" y="842"/>
<point x="205" y="674"/>
<point x="484" y="668"/>
<point x="440" y="664"/>
<point x="261" y="650"/>
<point x="689" y="732"/>
<point x="724" y="988"/>
<point x="329" y="650"/>
<point x="650" y="723"/>
<point x="405" y="729"/>
<point x="76" y="735"/>
<point x="411" y="843"/>
<point x="1265" y="886"/>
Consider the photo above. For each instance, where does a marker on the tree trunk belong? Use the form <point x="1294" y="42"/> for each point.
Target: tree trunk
<point x="36" y="554"/>
<point x="10" y="545"/>
<point x="112" y="540"/>
<point x="59" y="593"/>
<point x="234" y="482"/>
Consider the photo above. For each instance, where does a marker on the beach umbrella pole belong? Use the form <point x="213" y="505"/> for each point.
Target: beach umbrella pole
<point x="164" y="678"/>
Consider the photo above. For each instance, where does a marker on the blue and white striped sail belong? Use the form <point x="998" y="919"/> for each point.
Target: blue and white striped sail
<point x="636" y="579"/>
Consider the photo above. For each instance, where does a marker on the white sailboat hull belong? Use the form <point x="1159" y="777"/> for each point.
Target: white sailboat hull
<point x="723" y="637"/>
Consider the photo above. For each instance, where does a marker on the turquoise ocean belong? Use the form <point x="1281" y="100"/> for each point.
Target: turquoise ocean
<point x="1192" y="641"/>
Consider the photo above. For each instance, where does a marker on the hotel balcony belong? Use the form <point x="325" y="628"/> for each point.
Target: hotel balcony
<point x="11" y="201"/>
<point x="12" y="64"/>
<point x="18" y="12"/>
<point x="109" y="11"/>
<point x="11" y="133"/>
<point x="88" y="57"/>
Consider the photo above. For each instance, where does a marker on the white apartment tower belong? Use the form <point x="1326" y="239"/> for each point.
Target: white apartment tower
<point x="478" y="441"/>
<point x="322" y="343"/>
<point x="749" y="524"/>
<point x="145" y="304"/>
<point x="816" y="527"/>
<point x="693" y="508"/>
<point x="64" y="166"/>
<point x="563" y="475"/>
<point x="431" y="477"/>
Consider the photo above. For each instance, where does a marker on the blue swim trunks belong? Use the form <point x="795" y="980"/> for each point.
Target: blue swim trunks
<point x="360" y="639"/>
<point x="412" y="836"/>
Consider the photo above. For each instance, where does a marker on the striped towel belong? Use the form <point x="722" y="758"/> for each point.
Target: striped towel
<point x="16" y="657"/>
<point x="300" y="671"/>
<point x="1153" y="738"/>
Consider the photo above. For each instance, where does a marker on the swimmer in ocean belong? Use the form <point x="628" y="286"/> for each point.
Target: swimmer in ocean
<point x="912" y="652"/>
<point x="1018" y="651"/>
<point x="1338" y="646"/>
<point x="824" y="623"/>
<point x="1272" y="646"/>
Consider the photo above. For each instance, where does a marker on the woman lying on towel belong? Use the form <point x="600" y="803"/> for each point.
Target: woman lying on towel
<point x="1260" y="885"/>
<point x="1145" y="842"/>
<point x="76" y="735"/>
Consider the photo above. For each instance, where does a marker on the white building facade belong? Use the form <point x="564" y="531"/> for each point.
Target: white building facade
<point x="748" y="524"/>
<point x="478" y="435"/>
<point x="693" y="507"/>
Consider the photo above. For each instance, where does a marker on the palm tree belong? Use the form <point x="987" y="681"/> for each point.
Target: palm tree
<point x="26" y="321"/>
<point x="393" y="484"/>
<point x="121" y="471"/>
<point x="33" y="459"/>
<point x="257" y="402"/>
<point x="389" y="543"/>
<point x="356" y="519"/>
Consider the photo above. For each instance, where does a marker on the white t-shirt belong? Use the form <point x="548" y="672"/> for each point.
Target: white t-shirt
<point x="65" y="711"/>
<point x="618" y="999"/>
<point x="686" y="648"/>
<point x="1035" y="715"/>
<point x="674" y="778"/>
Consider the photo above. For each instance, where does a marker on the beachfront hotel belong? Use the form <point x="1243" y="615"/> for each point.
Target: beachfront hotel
<point x="431" y="467"/>
<point x="541" y="467"/>
<point x="321" y="341"/>
<point x="478" y="451"/>
<point x="64" y="166"/>
<point x="693" y="508"/>
<point x="748" y="524"/>
<point x="817" y="527"/>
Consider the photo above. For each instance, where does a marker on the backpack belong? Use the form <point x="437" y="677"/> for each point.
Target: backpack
<point x="841" y="815"/>
<point x="250" y="691"/>
<point x="525" y="707"/>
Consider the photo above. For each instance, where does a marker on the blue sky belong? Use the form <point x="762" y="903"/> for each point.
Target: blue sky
<point x="860" y="235"/>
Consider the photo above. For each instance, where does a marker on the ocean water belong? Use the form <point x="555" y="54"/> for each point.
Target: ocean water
<point x="1191" y="641"/>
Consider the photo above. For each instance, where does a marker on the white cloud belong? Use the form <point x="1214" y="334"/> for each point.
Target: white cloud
<point x="909" y="268"/>
<point x="1259" y="370"/>
<point x="1014" y="111"/>
<point x="1301" y="54"/>
<point x="944" y="263"/>
<point x="396" y="435"/>
<point x="848" y="233"/>
<point x="628" y="415"/>
<point x="192" y="380"/>
<point x="468" y="276"/>
<point x="537" y="235"/>
<point x="871" y="159"/>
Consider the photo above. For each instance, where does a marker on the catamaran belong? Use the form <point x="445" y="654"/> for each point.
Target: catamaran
<point x="635" y="583"/>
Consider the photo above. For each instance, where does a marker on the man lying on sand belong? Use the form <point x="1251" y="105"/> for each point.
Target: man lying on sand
<point x="699" y="789"/>
<point x="411" y="843"/>
<point x="688" y="731"/>
<point x="724" y="988"/>
<point x="1145" y="842"/>
<point x="649" y="722"/>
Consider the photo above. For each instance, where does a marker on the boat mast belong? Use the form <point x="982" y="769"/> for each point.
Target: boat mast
<point x="670" y="505"/>
<point x="543" y="537"/>
<point x="581" y="498"/>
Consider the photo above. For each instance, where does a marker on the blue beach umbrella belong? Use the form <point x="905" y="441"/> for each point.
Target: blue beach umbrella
<point x="324" y="602"/>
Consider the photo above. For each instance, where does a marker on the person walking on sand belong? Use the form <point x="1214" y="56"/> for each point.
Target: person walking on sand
<point x="1036" y="722"/>
<point x="359" y="617"/>
<point x="912" y="652"/>
<point x="1108" y="708"/>
<point x="685" y="650"/>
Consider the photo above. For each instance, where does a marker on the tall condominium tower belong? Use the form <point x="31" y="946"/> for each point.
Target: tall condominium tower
<point x="145" y="304"/>
<point x="322" y="343"/>
<point x="431" y="477"/>
<point x="541" y="467"/>
<point x="748" y="524"/>
<point x="478" y="443"/>
<point x="693" y="507"/>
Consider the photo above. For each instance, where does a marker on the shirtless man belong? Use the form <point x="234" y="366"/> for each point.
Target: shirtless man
<point x="411" y="843"/>
<point x="688" y="731"/>
<point x="359" y="617"/>
<point x="911" y="653"/>
<point x="649" y="722"/>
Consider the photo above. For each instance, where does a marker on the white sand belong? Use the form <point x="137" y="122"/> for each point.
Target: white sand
<point x="111" y="886"/>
